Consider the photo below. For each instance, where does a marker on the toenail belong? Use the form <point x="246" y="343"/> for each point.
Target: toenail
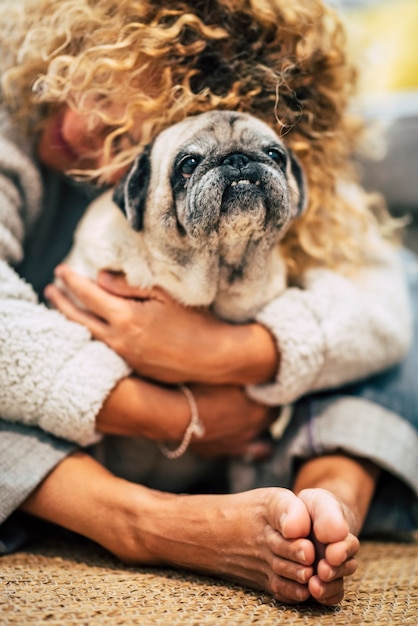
<point x="301" y="556"/>
<point x="332" y="574"/>
<point x="301" y="574"/>
<point x="282" y="523"/>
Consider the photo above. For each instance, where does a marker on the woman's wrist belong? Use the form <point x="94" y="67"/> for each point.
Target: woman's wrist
<point x="245" y="354"/>
<point x="194" y="429"/>
<point x="143" y="409"/>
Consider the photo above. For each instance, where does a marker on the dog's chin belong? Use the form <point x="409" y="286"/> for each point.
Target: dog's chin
<point x="243" y="212"/>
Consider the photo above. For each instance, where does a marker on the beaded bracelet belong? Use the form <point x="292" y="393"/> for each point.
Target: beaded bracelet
<point x="195" y="427"/>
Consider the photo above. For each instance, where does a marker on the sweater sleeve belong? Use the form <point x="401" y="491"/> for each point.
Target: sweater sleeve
<point x="52" y="375"/>
<point x="336" y="329"/>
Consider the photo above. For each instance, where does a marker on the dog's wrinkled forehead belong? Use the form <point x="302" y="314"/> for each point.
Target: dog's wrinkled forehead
<point x="213" y="132"/>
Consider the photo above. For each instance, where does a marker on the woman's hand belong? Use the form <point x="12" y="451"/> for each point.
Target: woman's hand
<point x="232" y="422"/>
<point x="162" y="339"/>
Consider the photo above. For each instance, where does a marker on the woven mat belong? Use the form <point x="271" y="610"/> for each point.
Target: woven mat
<point x="68" y="580"/>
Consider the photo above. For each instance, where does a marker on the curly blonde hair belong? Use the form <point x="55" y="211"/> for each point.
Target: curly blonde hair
<point x="284" y="62"/>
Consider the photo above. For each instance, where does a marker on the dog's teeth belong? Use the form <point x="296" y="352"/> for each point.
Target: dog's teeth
<point x="243" y="181"/>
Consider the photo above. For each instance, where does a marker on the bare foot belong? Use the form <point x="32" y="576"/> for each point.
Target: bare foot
<point x="257" y="538"/>
<point x="333" y="525"/>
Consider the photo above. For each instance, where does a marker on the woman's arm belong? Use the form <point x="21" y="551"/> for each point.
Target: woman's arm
<point x="330" y="331"/>
<point x="231" y="420"/>
<point x="52" y="374"/>
<point x="164" y="340"/>
<point x="338" y="329"/>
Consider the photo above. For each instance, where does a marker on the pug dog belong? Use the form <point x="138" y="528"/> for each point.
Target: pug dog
<point x="200" y="215"/>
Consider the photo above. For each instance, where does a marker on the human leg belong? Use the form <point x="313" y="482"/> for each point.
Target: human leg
<point x="376" y="422"/>
<point x="258" y="538"/>
<point x="27" y="455"/>
<point x="351" y="456"/>
<point x="364" y="458"/>
<point x="337" y="491"/>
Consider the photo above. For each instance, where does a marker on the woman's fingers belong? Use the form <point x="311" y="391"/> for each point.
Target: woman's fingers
<point x="67" y="307"/>
<point x="115" y="283"/>
<point x="92" y="297"/>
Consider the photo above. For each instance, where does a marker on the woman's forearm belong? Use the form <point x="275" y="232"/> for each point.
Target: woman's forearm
<point x="139" y="408"/>
<point x="163" y="340"/>
<point x="337" y="329"/>
<point x="230" y="419"/>
<point x="244" y="355"/>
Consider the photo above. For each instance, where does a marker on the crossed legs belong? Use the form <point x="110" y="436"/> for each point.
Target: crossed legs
<point x="293" y="544"/>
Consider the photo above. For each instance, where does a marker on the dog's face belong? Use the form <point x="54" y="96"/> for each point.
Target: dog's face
<point x="216" y="190"/>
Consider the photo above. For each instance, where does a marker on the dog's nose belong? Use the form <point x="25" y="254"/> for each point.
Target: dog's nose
<point x="236" y="160"/>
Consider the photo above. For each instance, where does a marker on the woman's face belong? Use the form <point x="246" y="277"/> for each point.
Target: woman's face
<point x="69" y="141"/>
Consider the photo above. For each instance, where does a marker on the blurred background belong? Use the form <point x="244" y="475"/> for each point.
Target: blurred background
<point x="383" y="38"/>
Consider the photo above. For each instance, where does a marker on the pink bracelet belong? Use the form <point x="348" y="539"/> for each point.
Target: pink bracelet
<point x="195" y="427"/>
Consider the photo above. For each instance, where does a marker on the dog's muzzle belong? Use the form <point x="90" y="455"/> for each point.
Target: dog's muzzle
<point x="240" y="174"/>
<point x="241" y="169"/>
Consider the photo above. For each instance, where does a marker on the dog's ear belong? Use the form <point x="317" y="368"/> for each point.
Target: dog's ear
<point x="300" y="179"/>
<point x="131" y="192"/>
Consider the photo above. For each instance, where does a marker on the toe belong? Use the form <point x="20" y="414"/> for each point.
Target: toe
<point x="299" y="551"/>
<point x="328" y="517"/>
<point x="291" y="571"/>
<point x="292" y="517"/>
<point x="328" y="573"/>
<point x="288" y="591"/>
<point x="338" y="553"/>
<point x="326" y="593"/>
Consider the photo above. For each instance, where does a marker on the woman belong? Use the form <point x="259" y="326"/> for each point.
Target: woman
<point x="85" y="86"/>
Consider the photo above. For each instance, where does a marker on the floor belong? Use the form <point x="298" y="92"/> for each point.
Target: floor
<point x="71" y="581"/>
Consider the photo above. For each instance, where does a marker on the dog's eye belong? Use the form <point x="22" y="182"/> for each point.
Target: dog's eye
<point x="187" y="165"/>
<point x="277" y="156"/>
